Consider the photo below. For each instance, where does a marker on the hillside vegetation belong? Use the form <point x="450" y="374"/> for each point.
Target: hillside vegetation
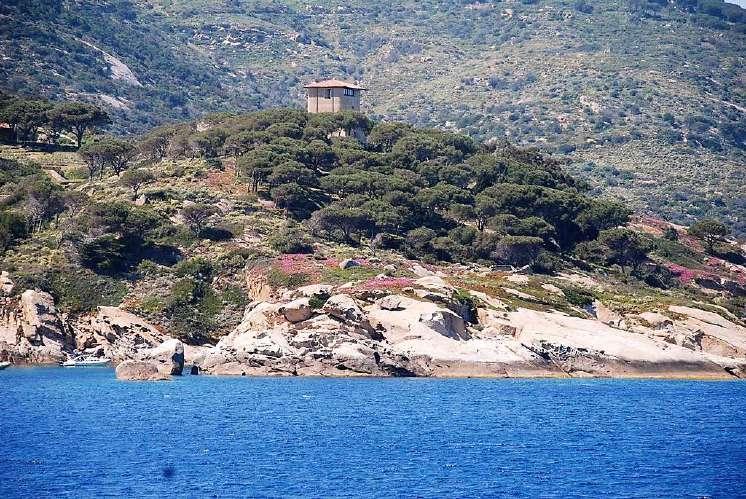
<point x="645" y="99"/>
<point x="188" y="223"/>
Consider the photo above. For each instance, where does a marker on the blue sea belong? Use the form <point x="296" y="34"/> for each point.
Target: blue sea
<point x="81" y="433"/>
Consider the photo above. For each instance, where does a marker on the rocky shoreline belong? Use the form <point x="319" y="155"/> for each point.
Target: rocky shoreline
<point x="423" y="330"/>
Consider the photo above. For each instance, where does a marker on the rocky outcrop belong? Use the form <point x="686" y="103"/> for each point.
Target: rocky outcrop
<point x="585" y="347"/>
<point x="31" y="330"/>
<point x="115" y="333"/>
<point x="422" y="330"/>
<point x="169" y="355"/>
<point x="297" y="310"/>
<point x="417" y="334"/>
<point x="6" y="284"/>
<point x="139" y="370"/>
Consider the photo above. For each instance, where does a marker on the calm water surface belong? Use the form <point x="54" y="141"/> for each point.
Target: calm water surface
<point x="81" y="433"/>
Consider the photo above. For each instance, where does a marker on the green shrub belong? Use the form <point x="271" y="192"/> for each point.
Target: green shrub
<point x="235" y="296"/>
<point x="197" y="267"/>
<point x="279" y="279"/>
<point x="578" y="297"/>
<point x="107" y="254"/>
<point x="676" y="252"/>
<point x="291" y="240"/>
<point x="151" y="305"/>
<point x="74" y="290"/>
<point x="671" y="234"/>
<point x="318" y="300"/>
<point x="546" y="263"/>
<point x="148" y="268"/>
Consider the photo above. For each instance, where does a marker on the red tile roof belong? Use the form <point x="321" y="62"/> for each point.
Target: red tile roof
<point x="334" y="84"/>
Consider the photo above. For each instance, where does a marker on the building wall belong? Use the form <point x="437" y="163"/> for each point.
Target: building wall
<point x="319" y="103"/>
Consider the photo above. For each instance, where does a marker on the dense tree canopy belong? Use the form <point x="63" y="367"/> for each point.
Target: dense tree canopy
<point x="27" y="117"/>
<point x="420" y="187"/>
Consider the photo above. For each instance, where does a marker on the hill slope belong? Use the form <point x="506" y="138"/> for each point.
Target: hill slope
<point x="636" y="93"/>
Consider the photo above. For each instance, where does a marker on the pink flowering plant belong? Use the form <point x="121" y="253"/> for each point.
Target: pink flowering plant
<point x="684" y="274"/>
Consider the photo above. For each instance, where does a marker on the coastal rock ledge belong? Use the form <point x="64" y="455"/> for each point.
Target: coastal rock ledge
<point x="423" y="330"/>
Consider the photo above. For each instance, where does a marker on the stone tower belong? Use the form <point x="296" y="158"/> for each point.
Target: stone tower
<point x="332" y="96"/>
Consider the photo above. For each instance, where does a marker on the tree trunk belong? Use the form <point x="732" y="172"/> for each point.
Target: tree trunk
<point x="79" y="136"/>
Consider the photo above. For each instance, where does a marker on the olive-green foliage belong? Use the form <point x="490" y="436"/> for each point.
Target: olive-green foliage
<point x="136" y="178"/>
<point x="623" y="247"/>
<point x="129" y="234"/>
<point x="12" y="228"/>
<point x="197" y="267"/>
<point x="618" y="246"/>
<point x="578" y="297"/>
<point x="279" y="279"/>
<point x="709" y="231"/>
<point x="28" y="201"/>
<point x="235" y="296"/>
<point x="676" y="252"/>
<point x="547" y="263"/>
<point x="192" y="304"/>
<point x="318" y="300"/>
<point x="74" y="290"/>
<point x="291" y="240"/>
<point x="671" y="234"/>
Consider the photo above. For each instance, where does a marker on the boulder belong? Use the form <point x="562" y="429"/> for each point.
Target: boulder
<point x="495" y="324"/>
<point x="656" y="320"/>
<point x="260" y="315"/>
<point x="6" y="285"/>
<point x="297" y="310"/>
<point x="407" y="314"/>
<point x="348" y="264"/>
<point x="435" y="283"/>
<point x="396" y="302"/>
<point x="444" y="322"/>
<point x="606" y="315"/>
<point x="140" y="370"/>
<point x="170" y="354"/>
<point x="421" y="271"/>
<point x="344" y="308"/>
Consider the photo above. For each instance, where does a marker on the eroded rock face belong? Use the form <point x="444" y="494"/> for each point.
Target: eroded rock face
<point x="122" y="335"/>
<point x="31" y="330"/>
<point x="591" y="347"/>
<point x="169" y="355"/>
<point x="297" y="310"/>
<point x="140" y="370"/>
<point x="414" y="333"/>
<point x="417" y="334"/>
